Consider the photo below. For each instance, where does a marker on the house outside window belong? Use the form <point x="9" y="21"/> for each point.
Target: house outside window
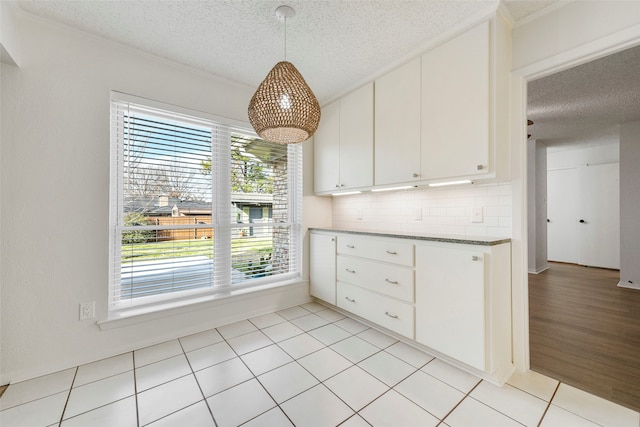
<point x="199" y="206"/>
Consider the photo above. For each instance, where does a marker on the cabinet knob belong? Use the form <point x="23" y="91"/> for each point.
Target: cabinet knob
<point x="349" y="299"/>
<point x="416" y="175"/>
<point x="393" y="282"/>
<point x="581" y="221"/>
<point x="480" y="167"/>
<point x="350" y="271"/>
<point x="333" y="240"/>
<point x="475" y="258"/>
<point x="393" y="316"/>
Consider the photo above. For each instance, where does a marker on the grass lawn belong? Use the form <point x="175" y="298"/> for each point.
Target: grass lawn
<point x="243" y="249"/>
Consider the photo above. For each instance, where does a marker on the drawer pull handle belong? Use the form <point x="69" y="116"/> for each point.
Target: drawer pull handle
<point x="350" y="271"/>
<point x="351" y="246"/>
<point x="392" y="252"/>
<point x="475" y="258"/>
<point x="393" y="316"/>
<point x="349" y="299"/>
<point x="393" y="282"/>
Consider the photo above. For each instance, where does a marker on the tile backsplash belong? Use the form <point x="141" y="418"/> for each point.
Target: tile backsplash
<point x="433" y="211"/>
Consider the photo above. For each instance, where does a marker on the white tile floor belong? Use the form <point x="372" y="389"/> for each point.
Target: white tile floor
<point x="304" y="366"/>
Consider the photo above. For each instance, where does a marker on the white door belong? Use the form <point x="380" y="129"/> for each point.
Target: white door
<point x="599" y="215"/>
<point x="562" y="215"/>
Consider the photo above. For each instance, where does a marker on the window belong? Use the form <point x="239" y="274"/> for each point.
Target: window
<point x="198" y="205"/>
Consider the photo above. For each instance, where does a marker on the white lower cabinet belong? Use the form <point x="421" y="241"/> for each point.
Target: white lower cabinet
<point x="322" y="267"/>
<point x="392" y="314"/>
<point x="453" y="299"/>
<point x="463" y="303"/>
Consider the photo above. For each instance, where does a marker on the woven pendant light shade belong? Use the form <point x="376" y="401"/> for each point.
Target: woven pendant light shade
<point x="284" y="109"/>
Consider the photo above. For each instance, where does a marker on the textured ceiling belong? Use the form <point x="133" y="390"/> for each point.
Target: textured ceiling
<point x="338" y="44"/>
<point x="586" y="102"/>
<point x="335" y="44"/>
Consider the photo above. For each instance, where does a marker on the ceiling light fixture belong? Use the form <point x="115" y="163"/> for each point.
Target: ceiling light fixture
<point x="284" y="109"/>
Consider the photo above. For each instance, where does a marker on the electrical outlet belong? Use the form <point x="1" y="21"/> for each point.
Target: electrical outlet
<point x="476" y="214"/>
<point x="418" y="214"/>
<point x="87" y="310"/>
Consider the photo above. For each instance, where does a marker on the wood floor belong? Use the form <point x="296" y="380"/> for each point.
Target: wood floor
<point x="585" y="331"/>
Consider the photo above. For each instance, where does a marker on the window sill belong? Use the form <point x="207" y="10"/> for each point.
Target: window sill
<point x="145" y="314"/>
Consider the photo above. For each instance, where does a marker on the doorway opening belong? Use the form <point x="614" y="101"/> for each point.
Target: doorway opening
<point x="583" y="328"/>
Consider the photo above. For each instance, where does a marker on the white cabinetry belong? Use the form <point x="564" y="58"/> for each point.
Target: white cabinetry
<point x="343" y="143"/>
<point x="465" y="83"/>
<point x="452" y="299"/>
<point x="376" y="281"/>
<point x="442" y="116"/>
<point x="397" y="125"/>
<point x="322" y="267"/>
<point x="463" y="303"/>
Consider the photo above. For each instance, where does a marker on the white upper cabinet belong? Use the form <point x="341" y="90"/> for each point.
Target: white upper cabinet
<point x="326" y="149"/>
<point x="397" y="125"/>
<point x="343" y="143"/>
<point x="464" y="105"/>
<point x="443" y="116"/>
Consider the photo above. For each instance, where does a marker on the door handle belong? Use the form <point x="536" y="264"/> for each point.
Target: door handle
<point x="393" y="282"/>
<point x="350" y="271"/>
<point x="349" y="299"/>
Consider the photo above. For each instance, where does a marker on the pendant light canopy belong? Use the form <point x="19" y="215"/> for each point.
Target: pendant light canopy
<point x="284" y="109"/>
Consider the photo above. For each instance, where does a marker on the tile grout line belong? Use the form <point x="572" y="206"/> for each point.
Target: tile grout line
<point x="75" y="374"/>
<point x="548" y="404"/>
<point x="135" y="386"/>
<point x="204" y="398"/>
<point x="460" y="402"/>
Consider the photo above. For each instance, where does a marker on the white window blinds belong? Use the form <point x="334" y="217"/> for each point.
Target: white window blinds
<point x="197" y="205"/>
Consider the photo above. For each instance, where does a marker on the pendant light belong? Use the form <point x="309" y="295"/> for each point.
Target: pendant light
<point x="284" y="109"/>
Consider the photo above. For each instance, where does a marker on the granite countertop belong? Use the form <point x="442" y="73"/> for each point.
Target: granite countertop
<point x="468" y="240"/>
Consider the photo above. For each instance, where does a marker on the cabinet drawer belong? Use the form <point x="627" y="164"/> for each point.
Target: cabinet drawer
<point x="392" y="280"/>
<point x="397" y="316"/>
<point x="380" y="249"/>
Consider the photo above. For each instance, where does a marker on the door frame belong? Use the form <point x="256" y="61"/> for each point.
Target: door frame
<point x="586" y="52"/>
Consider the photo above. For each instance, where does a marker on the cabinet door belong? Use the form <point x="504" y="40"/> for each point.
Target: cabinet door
<point x="397" y="125"/>
<point x="450" y="303"/>
<point x="356" y="138"/>
<point x="456" y="106"/>
<point x="326" y="149"/>
<point x="322" y="268"/>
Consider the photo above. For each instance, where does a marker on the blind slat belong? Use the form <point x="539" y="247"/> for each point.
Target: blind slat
<point x="197" y="205"/>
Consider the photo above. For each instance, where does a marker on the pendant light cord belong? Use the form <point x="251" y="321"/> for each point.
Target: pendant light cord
<point x="285" y="38"/>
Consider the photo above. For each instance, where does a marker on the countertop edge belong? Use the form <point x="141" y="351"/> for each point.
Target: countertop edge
<point x="488" y="241"/>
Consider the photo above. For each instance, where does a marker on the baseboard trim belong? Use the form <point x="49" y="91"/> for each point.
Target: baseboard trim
<point x="540" y="270"/>
<point x="629" y="285"/>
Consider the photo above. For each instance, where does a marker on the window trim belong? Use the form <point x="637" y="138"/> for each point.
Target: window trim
<point x="220" y="209"/>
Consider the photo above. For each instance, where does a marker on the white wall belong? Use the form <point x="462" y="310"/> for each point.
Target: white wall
<point x="630" y="205"/>
<point x="537" y="203"/>
<point x="443" y="211"/>
<point x="573" y="156"/>
<point x="55" y="195"/>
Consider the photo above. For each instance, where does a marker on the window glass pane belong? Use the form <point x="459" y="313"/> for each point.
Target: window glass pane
<point x="196" y="206"/>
